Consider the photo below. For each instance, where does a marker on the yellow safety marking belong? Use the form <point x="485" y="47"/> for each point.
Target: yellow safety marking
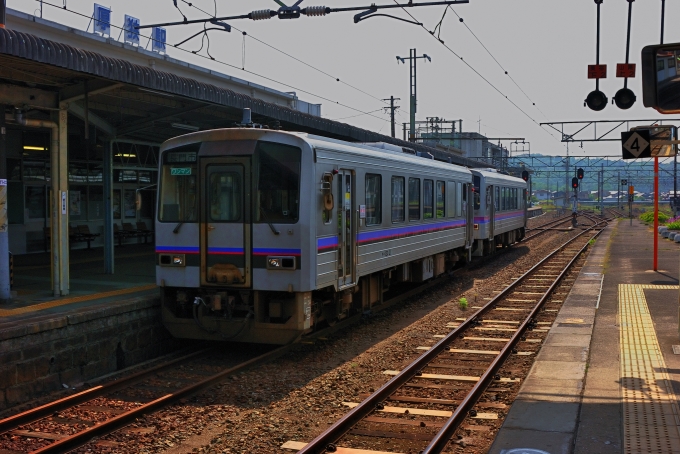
<point x="72" y="300"/>
<point x="650" y="415"/>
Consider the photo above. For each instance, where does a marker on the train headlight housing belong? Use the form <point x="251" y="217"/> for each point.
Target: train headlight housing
<point x="280" y="263"/>
<point x="172" y="260"/>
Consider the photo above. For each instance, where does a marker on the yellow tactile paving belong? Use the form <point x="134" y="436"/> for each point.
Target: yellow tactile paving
<point x="650" y="415"/>
<point x="75" y="299"/>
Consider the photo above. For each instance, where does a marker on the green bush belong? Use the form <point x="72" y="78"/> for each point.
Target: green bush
<point x="674" y="225"/>
<point x="463" y="303"/>
<point x="648" y="216"/>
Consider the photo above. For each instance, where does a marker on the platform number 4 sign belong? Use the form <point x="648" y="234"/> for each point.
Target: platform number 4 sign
<point x="635" y="144"/>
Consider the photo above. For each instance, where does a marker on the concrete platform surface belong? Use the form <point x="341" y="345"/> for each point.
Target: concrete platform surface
<point x="607" y="379"/>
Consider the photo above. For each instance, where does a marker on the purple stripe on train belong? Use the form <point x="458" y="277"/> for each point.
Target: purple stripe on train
<point x="327" y="244"/>
<point x="401" y="232"/>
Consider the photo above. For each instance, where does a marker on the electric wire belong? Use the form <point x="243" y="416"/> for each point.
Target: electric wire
<point x="338" y="103"/>
<point x="494" y="59"/>
<point x="337" y="79"/>
<point x="357" y="115"/>
<point x="480" y="75"/>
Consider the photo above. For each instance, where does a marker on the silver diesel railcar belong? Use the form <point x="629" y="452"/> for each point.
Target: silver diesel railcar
<point x="262" y="234"/>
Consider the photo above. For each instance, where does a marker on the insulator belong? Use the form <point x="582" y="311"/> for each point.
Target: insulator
<point x="317" y="11"/>
<point x="261" y="14"/>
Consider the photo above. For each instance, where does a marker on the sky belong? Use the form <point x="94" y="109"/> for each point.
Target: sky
<point x="544" y="45"/>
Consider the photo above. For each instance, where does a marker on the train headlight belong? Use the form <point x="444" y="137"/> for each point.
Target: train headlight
<point x="280" y="263"/>
<point x="178" y="260"/>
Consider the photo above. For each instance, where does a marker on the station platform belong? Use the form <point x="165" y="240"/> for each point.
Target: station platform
<point x="32" y="284"/>
<point x="107" y="323"/>
<point x="607" y="379"/>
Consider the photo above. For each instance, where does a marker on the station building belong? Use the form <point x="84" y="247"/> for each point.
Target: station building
<point x="84" y="117"/>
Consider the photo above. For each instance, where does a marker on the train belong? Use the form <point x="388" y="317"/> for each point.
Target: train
<point x="263" y="236"/>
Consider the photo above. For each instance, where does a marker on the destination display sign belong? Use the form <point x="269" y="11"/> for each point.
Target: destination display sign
<point x="185" y="156"/>
<point x="180" y="171"/>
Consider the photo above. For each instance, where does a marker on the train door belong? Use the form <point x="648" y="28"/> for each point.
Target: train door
<point x="491" y="210"/>
<point x="469" y="211"/>
<point x="225" y="222"/>
<point x="347" y="226"/>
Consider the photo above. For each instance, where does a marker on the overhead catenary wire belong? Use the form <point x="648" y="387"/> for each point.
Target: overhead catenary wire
<point x="479" y="74"/>
<point x="494" y="59"/>
<point x="309" y="65"/>
<point x="270" y="79"/>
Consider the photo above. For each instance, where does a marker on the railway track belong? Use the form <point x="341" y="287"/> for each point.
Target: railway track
<point x="71" y="422"/>
<point x="461" y="380"/>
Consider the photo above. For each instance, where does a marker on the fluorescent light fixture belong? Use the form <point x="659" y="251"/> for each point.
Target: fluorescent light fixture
<point x="183" y="126"/>
<point x="126" y="155"/>
<point x="28" y="147"/>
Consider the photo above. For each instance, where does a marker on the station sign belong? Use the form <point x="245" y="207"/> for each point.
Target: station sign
<point x="159" y="36"/>
<point x="131" y="30"/>
<point x="102" y="20"/>
<point x="636" y="144"/>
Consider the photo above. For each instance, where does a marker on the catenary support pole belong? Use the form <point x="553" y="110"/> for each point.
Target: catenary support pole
<point x="108" y="209"/>
<point x="3" y="16"/>
<point x="5" y="293"/>
<point x="656" y="213"/>
<point x="63" y="214"/>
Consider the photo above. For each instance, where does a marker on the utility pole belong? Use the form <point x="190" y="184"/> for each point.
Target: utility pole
<point x="392" y="109"/>
<point x="413" y="99"/>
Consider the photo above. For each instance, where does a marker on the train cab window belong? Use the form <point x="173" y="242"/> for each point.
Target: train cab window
<point x="178" y="185"/>
<point x="414" y="199"/>
<point x="441" y="199"/>
<point x="373" y="199"/>
<point x="277" y="172"/>
<point x="398" y="189"/>
<point x="497" y="199"/>
<point x="225" y="194"/>
<point x="428" y="199"/>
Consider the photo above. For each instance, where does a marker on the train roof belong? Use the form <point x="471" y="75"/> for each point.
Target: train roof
<point x="493" y="176"/>
<point x="359" y="149"/>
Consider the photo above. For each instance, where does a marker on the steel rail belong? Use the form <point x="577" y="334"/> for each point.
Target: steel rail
<point x="439" y="442"/>
<point x="37" y="413"/>
<point x="110" y="425"/>
<point x="320" y="444"/>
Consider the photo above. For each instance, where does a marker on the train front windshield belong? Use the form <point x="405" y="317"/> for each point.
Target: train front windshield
<point x="179" y="185"/>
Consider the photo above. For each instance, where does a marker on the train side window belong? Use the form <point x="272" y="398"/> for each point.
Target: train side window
<point x="414" y="199"/>
<point x="398" y="189"/>
<point x="451" y="199"/>
<point x="460" y="196"/>
<point x="373" y="199"/>
<point x="477" y="182"/>
<point x="503" y="196"/>
<point x="428" y="199"/>
<point x="441" y="199"/>
<point x="497" y="200"/>
<point x="515" y="198"/>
